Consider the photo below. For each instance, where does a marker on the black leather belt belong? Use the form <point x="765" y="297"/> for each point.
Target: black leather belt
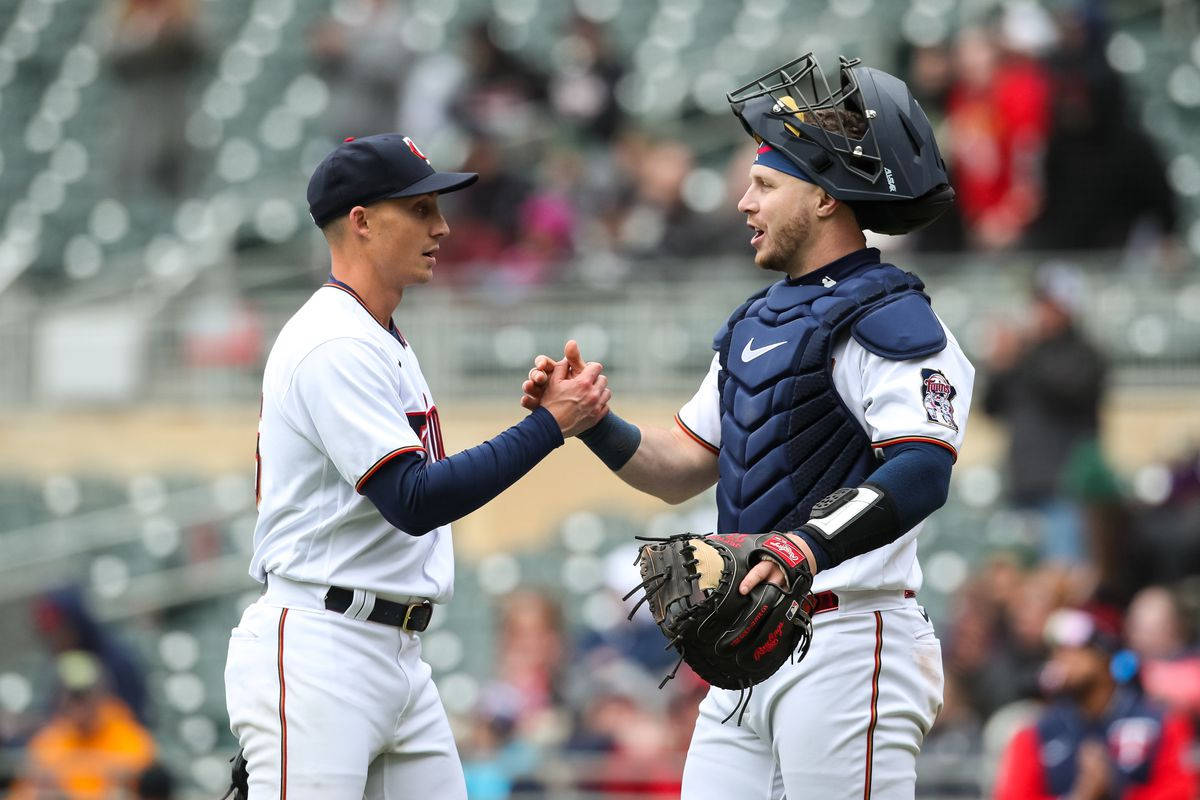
<point x="407" y="617"/>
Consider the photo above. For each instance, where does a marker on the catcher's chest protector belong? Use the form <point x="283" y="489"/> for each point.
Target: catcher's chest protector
<point x="787" y="439"/>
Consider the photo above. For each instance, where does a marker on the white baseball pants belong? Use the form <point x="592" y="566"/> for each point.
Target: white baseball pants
<point x="846" y="723"/>
<point x="332" y="708"/>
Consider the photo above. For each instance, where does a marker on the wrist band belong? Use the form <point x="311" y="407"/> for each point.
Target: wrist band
<point x="613" y="440"/>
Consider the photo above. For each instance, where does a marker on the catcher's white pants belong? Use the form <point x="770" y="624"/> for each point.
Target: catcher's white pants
<point x="331" y="708"/>
<point x="846" y="723"/>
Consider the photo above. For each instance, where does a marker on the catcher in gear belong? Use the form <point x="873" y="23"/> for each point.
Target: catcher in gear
<point x="830" y="419"/>
<point x="729" y="639"/>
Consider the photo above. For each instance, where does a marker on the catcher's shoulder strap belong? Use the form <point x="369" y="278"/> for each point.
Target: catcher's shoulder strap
<point x="902" y="324"/>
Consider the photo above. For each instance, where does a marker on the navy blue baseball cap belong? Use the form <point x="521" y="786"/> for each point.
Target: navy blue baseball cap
<point x="363" y="171"/>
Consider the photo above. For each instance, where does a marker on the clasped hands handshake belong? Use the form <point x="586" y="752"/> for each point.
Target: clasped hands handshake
<point x="572" y="390"/>
<point x="577" y="394"/>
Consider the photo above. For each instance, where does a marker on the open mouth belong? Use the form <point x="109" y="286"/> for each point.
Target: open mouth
<point x="757" y="238"/>
<point x="431" y="255"/>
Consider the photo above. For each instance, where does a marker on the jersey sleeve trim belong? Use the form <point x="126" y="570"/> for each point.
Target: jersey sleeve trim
<point x="700" y="440"/>
<point x="925" y="439"/>
<point x="358" y="487"/>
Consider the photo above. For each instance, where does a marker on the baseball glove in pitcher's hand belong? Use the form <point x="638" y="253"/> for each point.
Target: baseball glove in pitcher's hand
<point x="731" y="640"/>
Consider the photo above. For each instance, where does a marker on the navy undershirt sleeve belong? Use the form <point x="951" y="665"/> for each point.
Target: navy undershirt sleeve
<point x="418" y="496"/>
<point x="916" y="476"/>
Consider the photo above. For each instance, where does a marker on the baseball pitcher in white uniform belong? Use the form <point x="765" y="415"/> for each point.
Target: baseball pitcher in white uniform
<point x="833" y="412"/>
<point x="325" y="686"/>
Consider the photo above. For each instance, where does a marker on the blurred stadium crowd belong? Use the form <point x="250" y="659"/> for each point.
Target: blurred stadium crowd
<point x="160" y="148"/>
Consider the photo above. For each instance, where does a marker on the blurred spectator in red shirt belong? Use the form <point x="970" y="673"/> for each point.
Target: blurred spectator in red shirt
<point x="1100" y="740"/>
<point x="998" y="118"/>
<point x="1159" y="633"/>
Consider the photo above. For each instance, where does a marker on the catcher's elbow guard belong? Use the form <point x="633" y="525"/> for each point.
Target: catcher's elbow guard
<point x="853" y="521"/>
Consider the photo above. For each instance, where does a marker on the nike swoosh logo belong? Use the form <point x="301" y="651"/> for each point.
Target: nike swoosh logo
<point x="750" y="352"/>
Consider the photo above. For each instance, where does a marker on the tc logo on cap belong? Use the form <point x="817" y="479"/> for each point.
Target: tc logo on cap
<point x="416" y="150"/>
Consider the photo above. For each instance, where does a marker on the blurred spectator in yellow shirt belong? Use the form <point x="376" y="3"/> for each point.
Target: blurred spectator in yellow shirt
<point x="92" y="748"/>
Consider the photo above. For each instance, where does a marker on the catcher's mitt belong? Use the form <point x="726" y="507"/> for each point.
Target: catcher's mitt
<point x="731" y="640"/>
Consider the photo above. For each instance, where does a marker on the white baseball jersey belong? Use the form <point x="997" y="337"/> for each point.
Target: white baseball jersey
<point x="343" y="395"/>
<point x="923" y="399"/>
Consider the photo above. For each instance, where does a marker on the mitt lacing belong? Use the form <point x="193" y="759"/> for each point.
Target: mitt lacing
<point x="661" y="577"/>
<point x="743" y="703"/>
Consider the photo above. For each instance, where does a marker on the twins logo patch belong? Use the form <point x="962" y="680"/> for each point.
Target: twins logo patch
<point x="937" y="395"/>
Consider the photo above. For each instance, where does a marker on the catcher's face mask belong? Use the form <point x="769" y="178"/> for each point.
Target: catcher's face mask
<point x="866" y="141"/>
<point x="796" y="94"/>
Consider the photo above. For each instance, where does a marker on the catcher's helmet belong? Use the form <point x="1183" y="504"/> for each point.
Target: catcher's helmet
<point x="891" y="173"/>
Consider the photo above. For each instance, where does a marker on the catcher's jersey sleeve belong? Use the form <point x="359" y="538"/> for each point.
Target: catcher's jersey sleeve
<point x="700" y="417"/>
<point x="350" y="398"/>
<point x="921" y="399"/>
